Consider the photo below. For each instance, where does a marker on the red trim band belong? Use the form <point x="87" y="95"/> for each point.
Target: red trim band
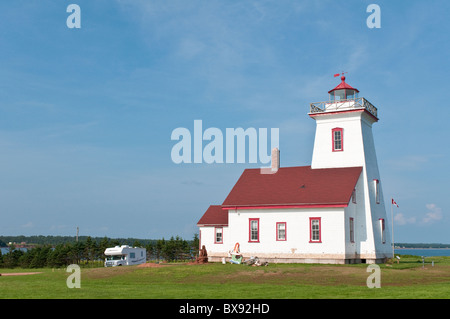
<point x="359" y="110"/>
<point x="287" y="206"/>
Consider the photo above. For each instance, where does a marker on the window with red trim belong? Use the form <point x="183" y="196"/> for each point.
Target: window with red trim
<point x="281" y="231"/>
<point x="253" y="235"/>
<point x="218" y="238"/>
<point x="338" y="139"/>
<point x="315" y="232"/>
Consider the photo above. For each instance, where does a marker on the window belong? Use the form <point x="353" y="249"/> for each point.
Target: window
<point x="376" y="183"/>
<point x="218" y="239"/>
<point x="315" y="230"/>
<point x="132" y="255"/>
<point x="281" y="231"/>
<point x="354" y="196"/>
<point x="382" y="227"/>
<point x="338" y="142"/>
<point x="351" y="94"/>
<point x="339" y="95"/>
<point x="352" y="230"/>
<point x="253" y="230"/>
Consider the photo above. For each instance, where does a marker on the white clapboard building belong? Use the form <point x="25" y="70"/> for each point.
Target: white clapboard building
<point x="330" y="212"/>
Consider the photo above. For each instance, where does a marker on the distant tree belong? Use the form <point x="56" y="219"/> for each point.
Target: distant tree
<point x="11" y="247"/>
<point x="195" y="245"/>
<point x="175" y="249"/>
<point x="137" y="243"/>
<point x="104" y="243"/>
<point x="150" y="249"/>
<point x="115" y="242"/>
<point x="58" y="256"/>
<point x="36" y="257"/>
<point x="168" y="251"/>
<point x="159" y="247"/>
<point x="11" y="259"/>
<point x="25" y="260"/>
<point x="89" y="252"/>
<point x="75" y="252"/>
<point x="181" y="248"/>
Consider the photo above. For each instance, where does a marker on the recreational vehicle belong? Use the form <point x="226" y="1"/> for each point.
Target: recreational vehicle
<point x="124" y="256"/>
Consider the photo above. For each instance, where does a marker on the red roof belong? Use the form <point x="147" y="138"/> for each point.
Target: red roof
<point x="289" y="187"/>
<point x="343" y="85"/>
<point x="294" y="187"/>
<point x="214" y="216"/>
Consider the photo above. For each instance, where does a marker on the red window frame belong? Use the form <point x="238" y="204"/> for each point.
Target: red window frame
<point x="215" y="235"/>
<point x="285" y="231"/>
<point x="311" y="231"/>
<point x="333" y="139"/>
<point x="250" y="220"/>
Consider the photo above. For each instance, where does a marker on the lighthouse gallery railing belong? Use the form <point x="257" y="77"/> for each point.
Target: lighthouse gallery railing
<point x="330" y="106"/>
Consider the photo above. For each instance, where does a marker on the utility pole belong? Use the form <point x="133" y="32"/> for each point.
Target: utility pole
<point x="77" y="233"/>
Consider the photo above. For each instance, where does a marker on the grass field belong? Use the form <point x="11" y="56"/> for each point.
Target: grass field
<point x="407" y="280"/>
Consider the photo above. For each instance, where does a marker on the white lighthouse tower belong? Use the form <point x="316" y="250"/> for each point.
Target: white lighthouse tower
<point x="344" y="139"/>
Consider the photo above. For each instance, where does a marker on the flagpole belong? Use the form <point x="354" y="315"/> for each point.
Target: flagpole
<point x="392" y="216"/>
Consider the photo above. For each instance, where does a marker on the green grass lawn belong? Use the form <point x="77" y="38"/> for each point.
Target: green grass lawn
<point x="407" y="280"/>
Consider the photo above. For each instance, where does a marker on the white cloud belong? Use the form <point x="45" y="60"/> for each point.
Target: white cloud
<point x="434" y="214"/>
<point x="409" y="162"/>
<point x="190" y="48"/>
<point x="28" y="225"/>
<point x="401" y="219"/>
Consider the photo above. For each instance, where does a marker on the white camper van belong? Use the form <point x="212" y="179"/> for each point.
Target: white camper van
<point x="124" y="256"/>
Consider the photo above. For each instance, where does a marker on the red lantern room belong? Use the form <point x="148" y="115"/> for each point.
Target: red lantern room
<point x="343" y="92"/>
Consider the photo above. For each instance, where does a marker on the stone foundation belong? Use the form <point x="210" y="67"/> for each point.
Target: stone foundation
<point x="303" y="258"/>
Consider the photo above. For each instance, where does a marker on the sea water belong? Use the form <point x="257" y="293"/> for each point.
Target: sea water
<point x="426" y="252"/>
<point x="5" y="250"/>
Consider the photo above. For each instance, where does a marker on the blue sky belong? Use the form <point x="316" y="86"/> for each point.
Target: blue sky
<point x="86" y="114"/>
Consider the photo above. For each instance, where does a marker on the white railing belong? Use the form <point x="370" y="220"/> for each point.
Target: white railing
<point x="340" y="105"/>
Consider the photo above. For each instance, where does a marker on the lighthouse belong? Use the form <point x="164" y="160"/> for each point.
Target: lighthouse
<point x="344" y="138"/>
<point x="331" y="211"/>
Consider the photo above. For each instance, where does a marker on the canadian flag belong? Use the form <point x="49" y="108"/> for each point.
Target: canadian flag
<point x="394" y="203"/>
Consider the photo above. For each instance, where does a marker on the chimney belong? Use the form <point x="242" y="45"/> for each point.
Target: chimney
<point x="275" y="160"/>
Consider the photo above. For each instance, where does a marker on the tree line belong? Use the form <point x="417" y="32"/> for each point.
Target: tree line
<point x="422" y="245"/>
<point x="90" y="253"/>
<point x="55" y="240"/>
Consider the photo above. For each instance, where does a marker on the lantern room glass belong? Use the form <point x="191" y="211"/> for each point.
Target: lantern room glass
<point x="344" y="94"/>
